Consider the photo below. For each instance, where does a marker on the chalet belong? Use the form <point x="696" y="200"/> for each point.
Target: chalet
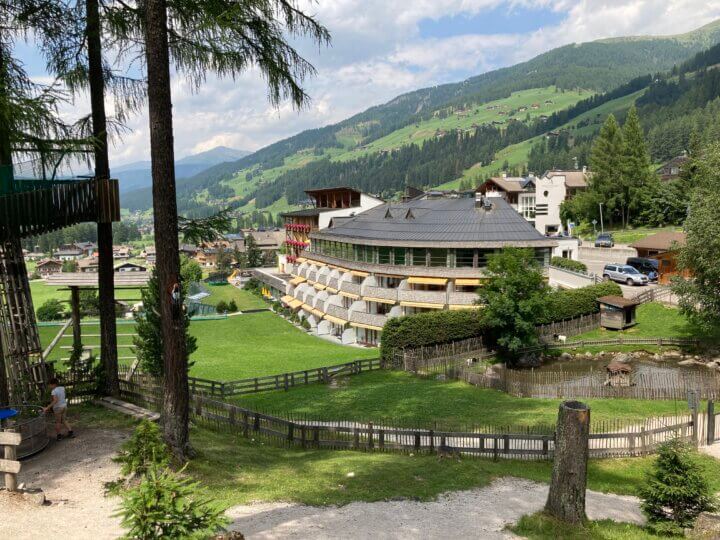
<point x="671" y="169"/>
<point x="130" y="267"/>
<point x="47" y="267"/>
<point x="522" y="109"/>
<point x="149" y="254"/>
<point x="535" y="106"/>
<point x="88" y="248"/>
<point x="88" y="265"/>
<point x="122" y="252"/>
<point x="69" y="253"/>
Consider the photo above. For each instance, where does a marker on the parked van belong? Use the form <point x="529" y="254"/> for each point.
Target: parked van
<point x="649" y="267"/>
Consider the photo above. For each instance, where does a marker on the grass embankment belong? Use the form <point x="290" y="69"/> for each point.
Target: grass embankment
<point x="402" y="399"/>
<point x="91" y="338"/>
<point x="42" y="292"/>
<point x="628" y="236"/>
<point x="233" y="470"/>
<point x="238" y="347"/>
<point x="542" y="527"/>
<point x="244" y="299"/>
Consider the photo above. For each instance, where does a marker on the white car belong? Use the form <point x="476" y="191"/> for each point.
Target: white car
<point x="624" y="273"/>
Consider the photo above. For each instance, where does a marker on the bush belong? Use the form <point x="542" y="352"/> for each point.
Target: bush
<point x="305" y="324"/>
<point x="163" y="505"/>
<point x="232" y="306"/>
<point x="428" y="329"/>
<point x="569" y="303"/>
<point x="676" y="490"/>
<point x="143" y="450"/>
<point x="51" y="310"/>
<point x="222" y="307"/>
<point x="568" y="264"/>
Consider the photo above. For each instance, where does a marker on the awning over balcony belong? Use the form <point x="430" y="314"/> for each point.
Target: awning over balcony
<point x="458" y="307"/>
<point x="366" y="326"/>
<point x="336" y="320"/>
<point x="358" y="273"/>
<point x="301" y="259"/>
<point x="427" y="281"/>
<point x="331" y="290"/>
<point x="422" y="305"/>
<point x="320" y="286"/>
<point x="319" y="314"/>
<point x="287" y="299"/>
<point x="468" y="282"/>
<point x="294" y="304"/>
<point x="349" y="295"/>
<point x="297" y="280"/>
<point x="381" y="300"/>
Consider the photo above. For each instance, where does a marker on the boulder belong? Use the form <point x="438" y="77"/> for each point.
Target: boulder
<point x="707" y="527"/>
<point x="621" y="358"/>
<point x="688" y="363"/>
<point x="588" y="354"/>
<point x="566" y="356"/>
<point x="34" y="496"/>
<point x="529" y="360"/>
<point x="672" y="354"/>
<point x="712" y="365"/>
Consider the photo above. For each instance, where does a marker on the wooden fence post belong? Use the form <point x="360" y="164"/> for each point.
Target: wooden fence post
<point x="371" y="442"/>
<point x="710" y="422"/>
<point x="10" y="466"/>
<point x="566" y="498"/>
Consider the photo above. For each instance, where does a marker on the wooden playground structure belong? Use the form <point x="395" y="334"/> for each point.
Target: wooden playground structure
<point x="31" y="208"/>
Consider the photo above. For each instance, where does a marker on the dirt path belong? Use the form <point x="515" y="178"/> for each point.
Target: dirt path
<point x="478" y="513"/>
<point x="72" y="474"/>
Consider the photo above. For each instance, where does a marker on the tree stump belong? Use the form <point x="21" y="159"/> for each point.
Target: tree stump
<point x="566" y="499"/>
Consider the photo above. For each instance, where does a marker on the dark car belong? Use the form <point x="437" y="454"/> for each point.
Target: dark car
<point x="604" y="240"/>
<point x="649" y="267"/>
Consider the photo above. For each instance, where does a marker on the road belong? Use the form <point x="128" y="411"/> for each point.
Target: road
<point x="596" y="258"/>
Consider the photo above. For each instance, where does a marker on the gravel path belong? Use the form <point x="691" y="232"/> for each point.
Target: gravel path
<point x="478" y="513"/>
<point x="72" y="474"/>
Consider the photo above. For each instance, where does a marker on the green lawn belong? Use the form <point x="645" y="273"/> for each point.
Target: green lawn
<point x="42" y="292"/>
<point x="260" y="344"/>
<point x="399" y="398"/>
<point x="90" y="333"/>
<point x="242" y="346"/>
<point x="244" y="299"/>
<point x="628" y="236"/>
<point x="234" y="470"/>
<point x="543" y="527"/>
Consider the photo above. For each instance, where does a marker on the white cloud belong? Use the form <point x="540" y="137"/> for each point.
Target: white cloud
<point x="378" y="53"/>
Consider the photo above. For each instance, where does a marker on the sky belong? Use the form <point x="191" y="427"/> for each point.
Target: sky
<point x="383" y="48"/>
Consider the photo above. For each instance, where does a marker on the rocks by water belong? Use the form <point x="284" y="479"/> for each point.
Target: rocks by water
<point x="529" y="360"/>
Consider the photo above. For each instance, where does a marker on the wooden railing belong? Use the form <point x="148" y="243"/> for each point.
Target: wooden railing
<point x="281" y="381"/>
<point x="611" y="439"/>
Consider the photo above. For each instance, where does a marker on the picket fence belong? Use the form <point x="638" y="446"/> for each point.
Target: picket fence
<point x="607" y="439"/>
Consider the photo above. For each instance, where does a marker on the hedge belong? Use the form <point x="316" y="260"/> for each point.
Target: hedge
<point x="568" y="264"/>
<point x="446" y="326"/>
<point x="429" y="328"/>
<point x="569" y="303"/>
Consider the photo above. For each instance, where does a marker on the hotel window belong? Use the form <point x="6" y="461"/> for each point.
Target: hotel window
<point x="419" y="257"/>
<point x="399" y="256"/>
<point x="383" y="255"/>
<point x="438" y="257"/>
<point x="483" y="255"/>
<point x="526" y="206"/>
<point x="464" y="258"/>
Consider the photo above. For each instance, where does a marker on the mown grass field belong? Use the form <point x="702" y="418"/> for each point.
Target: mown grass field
<point x="225" y="293"/>
<point x="233" y="470"/>
<point x="239" y="347"/>
<point x="399" y="398"/>
<point x="543" y="527"/>
<point x="628" y="236"/>
<point x="42" y="292"/>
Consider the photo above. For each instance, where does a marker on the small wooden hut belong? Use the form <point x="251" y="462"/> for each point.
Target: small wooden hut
<point x="618" y="374"/>
<point x="617" y="312"/>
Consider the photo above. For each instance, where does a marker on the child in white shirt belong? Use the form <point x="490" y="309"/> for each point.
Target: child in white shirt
<point x="59" y="408"/>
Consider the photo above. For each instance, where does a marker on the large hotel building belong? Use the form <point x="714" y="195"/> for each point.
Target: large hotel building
<point x="395" y="259"/>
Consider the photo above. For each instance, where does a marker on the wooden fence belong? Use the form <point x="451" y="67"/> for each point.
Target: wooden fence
<point x="282" y="381"/>
<point x="570" y="327"/>
<point x="609" y="439"/>
<point x="653" y="295"/>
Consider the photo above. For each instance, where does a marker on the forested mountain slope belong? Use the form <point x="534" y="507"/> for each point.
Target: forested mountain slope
<point x="437" y="135"/>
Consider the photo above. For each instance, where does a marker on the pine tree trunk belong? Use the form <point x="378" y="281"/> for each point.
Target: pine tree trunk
<point x="5" y="159"/>
<point x="566" y="499"/>
<point x="176" y="396"/>
<point x="106" y="272"/>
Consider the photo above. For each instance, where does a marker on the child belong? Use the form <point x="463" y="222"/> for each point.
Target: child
<point x="59" y="407"/>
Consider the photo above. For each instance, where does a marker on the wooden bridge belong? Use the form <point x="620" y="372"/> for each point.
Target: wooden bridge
<point x="31" y="208"/>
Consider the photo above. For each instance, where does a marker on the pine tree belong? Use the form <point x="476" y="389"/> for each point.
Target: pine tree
<point x="253" y="253"/>
<point x="636" y="174"/>
<point x="606" y="160"/>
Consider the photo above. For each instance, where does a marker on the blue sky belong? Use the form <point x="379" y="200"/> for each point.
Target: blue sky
<point x="383" y="48"/>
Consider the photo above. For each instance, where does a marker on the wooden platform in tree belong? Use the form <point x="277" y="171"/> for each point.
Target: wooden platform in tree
<point x="41" y="210"/>
<point x="89" y="280"/>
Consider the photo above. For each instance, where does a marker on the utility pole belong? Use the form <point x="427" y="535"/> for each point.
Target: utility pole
<point x="602" y="228"/>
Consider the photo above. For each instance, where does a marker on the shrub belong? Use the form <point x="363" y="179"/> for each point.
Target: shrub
<point x="429" y="328"/>
<point x="676" y="490"/>
<point x="51" y="310"/>
<point x="222" y="307"/>
<point x="143" y="450"/>
<point x="568" y="264"/>
<point x="569" y="303"/>
<point x="305" y="324"/>
<point x="163" y="505"/>
<point x="232" y="306"/>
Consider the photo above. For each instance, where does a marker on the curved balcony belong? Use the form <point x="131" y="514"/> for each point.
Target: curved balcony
<point x="333" y="283"/>
<point x="337" y="311"/>
<point x="462" y="298"/>
<point x="350" y="287"/>
<point x="380" y="292"/>
<point x="425" y="297"/>
<point x="369" y="319"/>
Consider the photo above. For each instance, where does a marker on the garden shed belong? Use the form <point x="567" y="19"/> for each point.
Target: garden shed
<point x="617" y="312"/>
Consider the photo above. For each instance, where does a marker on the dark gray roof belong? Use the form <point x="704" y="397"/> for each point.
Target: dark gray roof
<point x="306" y="212"/>
<point x="448" y="221"/>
